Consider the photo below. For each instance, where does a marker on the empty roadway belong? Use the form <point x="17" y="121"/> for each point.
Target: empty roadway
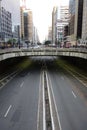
<point x="19" y="98"/>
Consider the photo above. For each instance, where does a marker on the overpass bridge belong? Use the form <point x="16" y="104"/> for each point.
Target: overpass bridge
<point x="48" y="51"/>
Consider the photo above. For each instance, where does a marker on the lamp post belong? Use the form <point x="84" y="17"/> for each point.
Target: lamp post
<point x="0" y="21"/>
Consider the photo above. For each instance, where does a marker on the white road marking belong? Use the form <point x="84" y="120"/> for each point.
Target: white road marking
<point x="44" y="118"/>
<point x="7" y="111"/>
<point x="38" y="104"/>
<point x="53" y="126"/>
<point x="74" y="94"/>
<point x="22" y="84"/>
<point x="55" y="106"/>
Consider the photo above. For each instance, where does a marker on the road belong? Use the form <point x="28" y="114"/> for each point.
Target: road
<point x="71" y="107"/>
<point x="19" y="99"/>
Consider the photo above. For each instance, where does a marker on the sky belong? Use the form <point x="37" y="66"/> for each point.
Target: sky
<point x="42" y="13"/>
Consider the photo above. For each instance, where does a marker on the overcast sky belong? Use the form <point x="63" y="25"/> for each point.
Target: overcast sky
<point x="42" y="13"/>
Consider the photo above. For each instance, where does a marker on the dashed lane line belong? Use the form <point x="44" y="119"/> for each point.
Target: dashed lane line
<point x="7" y="111"/>
<point x="21" y="84"/>
<point x="74" y="94"/>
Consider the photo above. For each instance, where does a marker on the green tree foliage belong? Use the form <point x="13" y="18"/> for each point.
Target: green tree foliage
<point x="47" y="42"/>
<point x="12" y="42"/>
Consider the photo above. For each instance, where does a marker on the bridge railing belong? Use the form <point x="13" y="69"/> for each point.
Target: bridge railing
<point x="47" y="49"/>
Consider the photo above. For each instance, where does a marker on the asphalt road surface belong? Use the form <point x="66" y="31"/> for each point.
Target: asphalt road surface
<point x="70" y="104"/>
<point x="19" y="99"/>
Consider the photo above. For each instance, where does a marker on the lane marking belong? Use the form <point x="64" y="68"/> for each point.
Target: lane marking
<point x="39" y="104"/>
<point x="44" y="118"/>
<point x="21" y="84"/>
<point x="7" y="111"/>
<point x="51" y="112"/>
<point x="55" y="105"/>
<point x="74" y="94"/>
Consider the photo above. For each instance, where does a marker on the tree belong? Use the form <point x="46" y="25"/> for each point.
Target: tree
<point x="12" y="42"/>
<point x="47" y="42"/>
<point x="9" y="41"/>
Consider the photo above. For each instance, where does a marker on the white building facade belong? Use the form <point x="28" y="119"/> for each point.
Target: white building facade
<point x="60" y="29"/>
<point x="62" y="21"/>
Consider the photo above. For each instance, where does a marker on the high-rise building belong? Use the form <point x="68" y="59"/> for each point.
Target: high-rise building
<point x="26" y="26"/>
<point x="63" y="19"/>
<point x="26" y="22"/>
<point x="6" y="25"/>
<point x="84" y="25"/>
<point x="22" y="23"/>
<point x="22" y="9"/>
<point x="13" y="6"/>
<point x="72" y="7"/>
<point x="54" y="25"/>
<point x="30" y="23"/>
<point x="13" y="19"/>
<point x="75" y="23"/>
<point x="64" y="13"/>
<point x="78" y="18"/>
<point x="72" y="18"/>
<point x="60" y="29"/>
<point x="16" y="32"/>
<point x="50" y="34"/>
